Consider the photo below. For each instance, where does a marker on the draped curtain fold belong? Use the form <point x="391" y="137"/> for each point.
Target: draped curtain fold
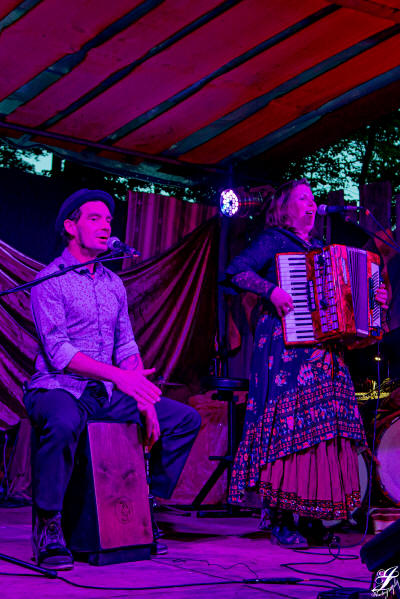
<point x="172" y="304"/>
<point x="17" y="333"/>
<point x="156" y="222"/>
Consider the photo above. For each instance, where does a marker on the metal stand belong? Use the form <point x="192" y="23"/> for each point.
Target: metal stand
<point x="225" y="392"/>
<point x="48" y="573"/>
<point x="18" y="562"/>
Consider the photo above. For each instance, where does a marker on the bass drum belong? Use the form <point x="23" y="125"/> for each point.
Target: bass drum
<point x="388" y="456"/>
<point x="363" y="474"/>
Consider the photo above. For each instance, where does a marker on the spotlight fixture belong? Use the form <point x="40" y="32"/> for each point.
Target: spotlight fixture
<point x="229" y="202"/>
<point x="237" y="202"/>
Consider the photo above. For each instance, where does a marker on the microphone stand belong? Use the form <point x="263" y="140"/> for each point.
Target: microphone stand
<point x="389" y="241"/>
<point x="114" y="255"/>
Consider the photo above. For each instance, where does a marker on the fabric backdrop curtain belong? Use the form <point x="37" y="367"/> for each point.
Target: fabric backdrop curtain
<point x="157" y="222"/>
<point x="172" y="304"/>
<point x="17" y="334"/>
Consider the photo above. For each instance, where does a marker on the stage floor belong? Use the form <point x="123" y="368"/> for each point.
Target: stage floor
<point x="201" y="550"/>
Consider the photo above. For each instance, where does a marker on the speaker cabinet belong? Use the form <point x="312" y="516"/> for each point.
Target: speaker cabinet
<point x="383" y="550"/>
<point x="106" y="515"/>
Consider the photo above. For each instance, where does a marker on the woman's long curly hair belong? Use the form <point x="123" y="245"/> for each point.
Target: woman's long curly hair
<point x="277" y="213"/>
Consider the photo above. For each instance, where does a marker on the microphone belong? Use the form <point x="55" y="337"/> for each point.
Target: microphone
<point x="324" y="210"/>
<point x="116" y="245"/>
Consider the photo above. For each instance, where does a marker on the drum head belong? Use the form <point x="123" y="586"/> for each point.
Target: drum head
<point x="363" y="474"/>
<point x="388" y="455"/>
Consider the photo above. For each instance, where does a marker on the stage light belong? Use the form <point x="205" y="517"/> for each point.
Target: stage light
<point x="229" y="202"/>
<point x="237" y="202"/>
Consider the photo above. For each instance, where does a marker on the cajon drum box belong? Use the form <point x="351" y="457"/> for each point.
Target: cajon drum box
<point x="106" y="515"/>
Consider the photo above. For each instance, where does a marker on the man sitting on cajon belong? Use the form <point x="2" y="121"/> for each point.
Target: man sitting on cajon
<point x="89" y="366"/>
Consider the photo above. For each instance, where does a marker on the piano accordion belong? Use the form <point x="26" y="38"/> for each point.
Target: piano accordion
<point x="333" y="290"/>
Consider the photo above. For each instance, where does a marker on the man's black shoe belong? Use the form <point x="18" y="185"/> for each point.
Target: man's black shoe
<point x="49" y="548"/>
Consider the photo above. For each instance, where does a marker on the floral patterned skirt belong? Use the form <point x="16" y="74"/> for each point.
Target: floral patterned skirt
<point x="320" y="482"/>
<point x="298" y="398"/>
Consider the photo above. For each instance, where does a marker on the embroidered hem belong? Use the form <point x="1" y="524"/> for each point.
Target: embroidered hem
<point x="326" y="510"/>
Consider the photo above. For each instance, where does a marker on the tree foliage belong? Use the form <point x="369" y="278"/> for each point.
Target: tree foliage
<point x="20" y="158"/>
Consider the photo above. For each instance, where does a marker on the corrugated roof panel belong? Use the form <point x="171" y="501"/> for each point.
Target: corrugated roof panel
<point x="48" y="32"/>
<point x="7" y="6"/>
<point x="194" y="57"/>
<point x="101" y="62"/>
<point x="330" y="128"/>
<point x="301" y="101"/>
<point x="255" y="77"/>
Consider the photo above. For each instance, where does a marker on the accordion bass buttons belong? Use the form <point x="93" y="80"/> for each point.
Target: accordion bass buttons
<point x="311" y="296"/>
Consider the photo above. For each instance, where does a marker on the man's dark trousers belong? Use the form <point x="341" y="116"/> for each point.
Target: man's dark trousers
<point x="59" y="418"/>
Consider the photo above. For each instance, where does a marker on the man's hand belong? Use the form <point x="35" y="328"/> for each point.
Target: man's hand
<point x="152" y="425"/>
<point x="132" y="381"/>
<point x="135" y="384"/>
<point x="282" y="301"/>
<point x="145" y="404"/>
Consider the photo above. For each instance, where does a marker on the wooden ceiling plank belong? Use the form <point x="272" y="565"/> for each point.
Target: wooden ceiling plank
<point x="230" y="69"/>
<point x="311" y="118"/>
<point x="37" y="136"/>
<point x="329" y="128"/>
<point x="59" y="70"/>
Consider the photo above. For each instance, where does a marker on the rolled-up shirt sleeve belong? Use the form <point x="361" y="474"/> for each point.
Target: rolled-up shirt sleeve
<point x="124" y="342"/>
<point x="51" y="326"/>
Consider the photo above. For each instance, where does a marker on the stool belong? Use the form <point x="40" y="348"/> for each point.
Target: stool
<point x="106" y="514"/>
<point x="225" y="392"/>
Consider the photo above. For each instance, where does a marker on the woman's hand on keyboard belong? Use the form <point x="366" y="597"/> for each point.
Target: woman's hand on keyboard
<point x="282" y="301"/>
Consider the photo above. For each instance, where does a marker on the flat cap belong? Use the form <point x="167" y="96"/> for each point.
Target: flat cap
<point x="78" y="198"/>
